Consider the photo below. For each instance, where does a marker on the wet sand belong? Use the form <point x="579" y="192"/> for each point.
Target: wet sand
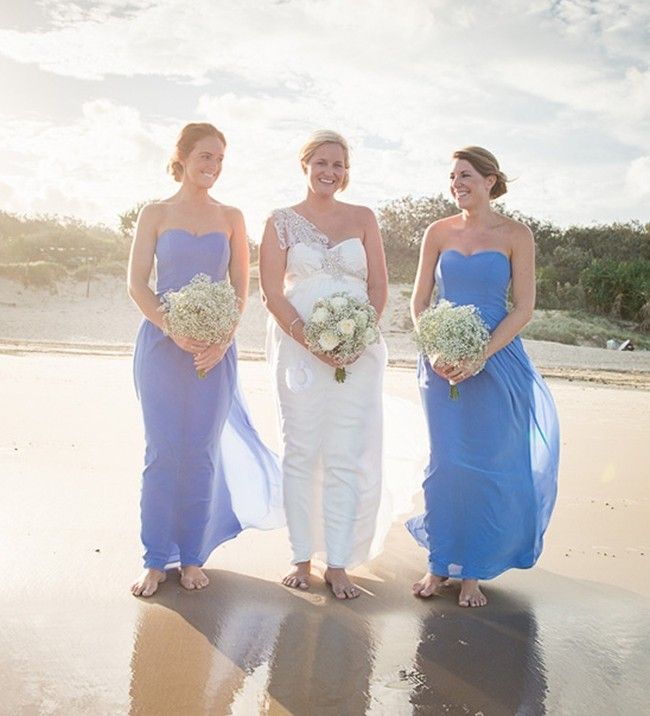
<point x="571" y="636"/>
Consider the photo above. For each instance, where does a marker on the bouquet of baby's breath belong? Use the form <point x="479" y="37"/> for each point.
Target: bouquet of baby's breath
<point x="451" y="334"/>
<point x="203" y="310"/>
<point x="341" y="326"/>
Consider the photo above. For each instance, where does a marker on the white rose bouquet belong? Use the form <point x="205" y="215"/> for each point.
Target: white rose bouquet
<point x="341" y="326"/>
<point x="451" y="334"/>
<point x="203" y="310"/>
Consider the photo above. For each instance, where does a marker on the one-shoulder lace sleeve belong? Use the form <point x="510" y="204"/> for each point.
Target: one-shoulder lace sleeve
<point x="281" y="222"/>
<point x="292" y="228"/>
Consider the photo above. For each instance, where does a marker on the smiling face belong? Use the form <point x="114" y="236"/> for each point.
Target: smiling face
<point x="468" y="187"/>
<point x="325" y="169"/>
<point x="202" y="165"/>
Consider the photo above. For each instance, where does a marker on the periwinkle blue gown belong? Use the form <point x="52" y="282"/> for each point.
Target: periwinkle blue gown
<point x="207" y="474"/>
<point x="491" y="481"/>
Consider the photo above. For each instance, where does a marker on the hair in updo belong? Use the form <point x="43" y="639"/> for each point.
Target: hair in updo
<point x="326" y="136"/>
<point x="486" y="165"/>
<point x="187" y="139"/>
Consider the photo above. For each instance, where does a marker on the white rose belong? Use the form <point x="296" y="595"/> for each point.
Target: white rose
<point x="339" y="302"/>
<point x="328" y="341"/>
<point x="362" y="319"/>
<point x="346" y="326"/>
<point x="370" y="336"/>
<point x="320" y="315"/>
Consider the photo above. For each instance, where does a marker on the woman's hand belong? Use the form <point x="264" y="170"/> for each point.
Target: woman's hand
<point x="328" y="359"/>
<point x="337" y="362"/>
<point x="349" y="361"/>
<point x="209" y="357"/>
<point x="458" y="373"/>
<point x="190" y="345"/>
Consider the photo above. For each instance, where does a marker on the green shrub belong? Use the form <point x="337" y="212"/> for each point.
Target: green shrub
<point x="37" y="274"/>
<point x="617" y="288"/>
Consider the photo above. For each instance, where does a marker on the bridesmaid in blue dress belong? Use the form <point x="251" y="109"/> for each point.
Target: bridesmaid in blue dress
<point x="491" y="481"/>
<point x="207" y="475"/>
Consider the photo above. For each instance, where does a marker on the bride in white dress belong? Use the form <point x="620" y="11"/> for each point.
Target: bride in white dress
<point x="331" y="432"/>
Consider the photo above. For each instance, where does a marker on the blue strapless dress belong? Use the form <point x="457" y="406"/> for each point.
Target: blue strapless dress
<point x="207" y="474"/>
<point x="491" y="481"/>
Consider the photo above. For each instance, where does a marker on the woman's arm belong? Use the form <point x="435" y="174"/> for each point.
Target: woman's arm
<point x="141" y="264"/>
<point x="377" y="272"/>
<point x="522" y="259"/>
<point x="238" y="268"/>
<point x="424" y="278"/>
<point x="273" y="265"/>
<point x="141" y="259"/>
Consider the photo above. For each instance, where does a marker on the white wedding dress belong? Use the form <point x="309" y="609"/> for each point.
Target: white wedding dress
<point x="331" y="432"/>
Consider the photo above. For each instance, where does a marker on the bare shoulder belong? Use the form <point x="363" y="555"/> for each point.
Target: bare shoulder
<point x="362" y="214"/>
<point x="231" y="212"/>
<point x="444" y="224"/>
<point x="520" y="235"/>
<point x="151" y="216"/>
<point x="435" y="232"/>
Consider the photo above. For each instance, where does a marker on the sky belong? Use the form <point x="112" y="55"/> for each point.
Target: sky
<point x="95" y="93"/>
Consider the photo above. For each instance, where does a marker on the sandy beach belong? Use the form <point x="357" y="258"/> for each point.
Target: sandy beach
<point x="106" y="320"/>
<point x="568" y="637"/>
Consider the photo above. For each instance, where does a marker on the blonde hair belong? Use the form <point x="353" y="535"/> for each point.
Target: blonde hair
<point x="326" y="136"/>
<point x="486" y="165"/>
<point x="187" y="139"/>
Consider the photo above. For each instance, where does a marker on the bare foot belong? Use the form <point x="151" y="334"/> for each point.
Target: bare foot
<point x="471" y="595"/>
<point x="340" y="583"/>
<point x="193" y="577"/>
<point x="298" y="577"/>
<point x="428" y="585"/>
<point x="147" y="583"/>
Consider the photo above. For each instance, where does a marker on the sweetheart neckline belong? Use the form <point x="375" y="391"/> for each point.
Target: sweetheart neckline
<point x="192" y="234"/>
<point x="331" y="248"/>
<point x="476" y="253"/>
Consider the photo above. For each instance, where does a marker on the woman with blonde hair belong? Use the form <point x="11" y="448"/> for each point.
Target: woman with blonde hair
<point x="331" y="432"/>
<point x="207" y="475"/>
<point x="491" y="481"/>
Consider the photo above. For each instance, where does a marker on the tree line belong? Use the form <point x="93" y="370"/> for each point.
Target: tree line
<point x="604" y="269"/>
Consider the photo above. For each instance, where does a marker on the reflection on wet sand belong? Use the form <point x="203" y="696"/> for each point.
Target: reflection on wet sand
<point x="75" y="642"/>
<point x="232" y="624"/>
<point x="240" y="629"/>
<point x="248" y="645"/>
<point x="489" y="662"/>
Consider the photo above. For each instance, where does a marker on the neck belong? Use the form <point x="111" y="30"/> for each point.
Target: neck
<point x="193" y="194"/>
<point x="318" y="203"/>
<point x="478" y="216"/>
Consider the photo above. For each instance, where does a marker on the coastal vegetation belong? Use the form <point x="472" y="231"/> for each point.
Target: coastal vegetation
<point x="593" y="282"/>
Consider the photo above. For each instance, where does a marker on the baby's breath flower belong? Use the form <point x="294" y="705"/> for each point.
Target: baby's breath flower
<point x="203" y="310"/>
<point x="452" y="334"/>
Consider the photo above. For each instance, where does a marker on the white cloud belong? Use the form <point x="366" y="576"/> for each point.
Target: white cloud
<point x="559" y="90"/>
<point x="101" y="164"/>
<point x="638" y="178"/>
